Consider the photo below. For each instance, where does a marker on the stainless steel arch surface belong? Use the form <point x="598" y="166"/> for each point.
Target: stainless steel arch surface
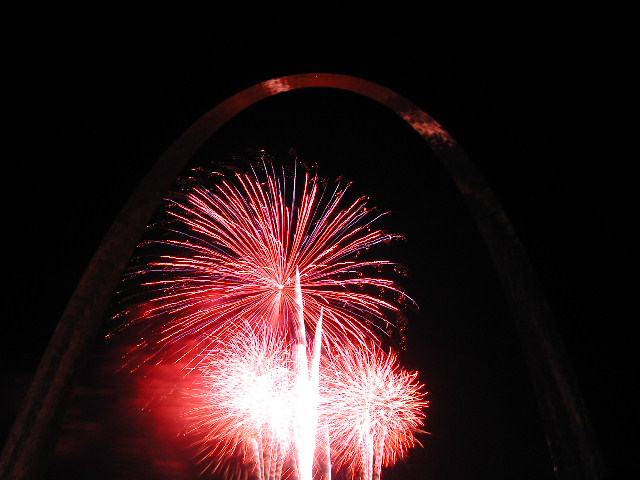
<point x="569" y="436"/>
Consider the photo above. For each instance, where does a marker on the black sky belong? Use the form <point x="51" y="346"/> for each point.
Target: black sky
<point x="538" y="108"/>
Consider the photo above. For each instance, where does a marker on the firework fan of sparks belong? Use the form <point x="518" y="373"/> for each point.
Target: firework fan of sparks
<point x="370" y="407"/>
<point x="235" y="250"/>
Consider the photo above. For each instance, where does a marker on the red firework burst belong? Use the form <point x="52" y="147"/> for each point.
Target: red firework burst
<point x="236" y="248"/>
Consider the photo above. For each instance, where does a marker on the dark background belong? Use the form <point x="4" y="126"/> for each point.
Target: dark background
<point x="539" y="108"/>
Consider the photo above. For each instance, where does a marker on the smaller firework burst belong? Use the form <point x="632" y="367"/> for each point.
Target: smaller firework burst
<point x="244" y="404"/>
<point x="371" y="408"/>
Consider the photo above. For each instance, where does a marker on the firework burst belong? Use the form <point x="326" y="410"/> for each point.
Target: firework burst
<point x="236" y="249"/>
<point x="243" y="415"/>
<point x="371" y="408"/>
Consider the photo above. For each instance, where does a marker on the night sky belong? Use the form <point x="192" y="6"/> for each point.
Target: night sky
<point x="537" y="108"/>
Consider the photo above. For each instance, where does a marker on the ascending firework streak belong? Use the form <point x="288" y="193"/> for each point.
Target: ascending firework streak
<point x="258" y="400"/>
<point x="306" y="389"/>
<point x="258" y="264"/>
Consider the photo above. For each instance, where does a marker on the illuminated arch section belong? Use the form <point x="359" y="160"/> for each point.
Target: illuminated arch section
<point x="569" y="436"/>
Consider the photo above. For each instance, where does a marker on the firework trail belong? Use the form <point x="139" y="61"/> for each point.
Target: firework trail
<point x="235" y="250"/>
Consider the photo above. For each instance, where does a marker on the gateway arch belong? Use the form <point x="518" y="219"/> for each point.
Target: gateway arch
<point x="571" y="442"/>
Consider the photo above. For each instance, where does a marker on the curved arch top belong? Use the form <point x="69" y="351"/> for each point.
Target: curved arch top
<point x="570" y="439"/>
